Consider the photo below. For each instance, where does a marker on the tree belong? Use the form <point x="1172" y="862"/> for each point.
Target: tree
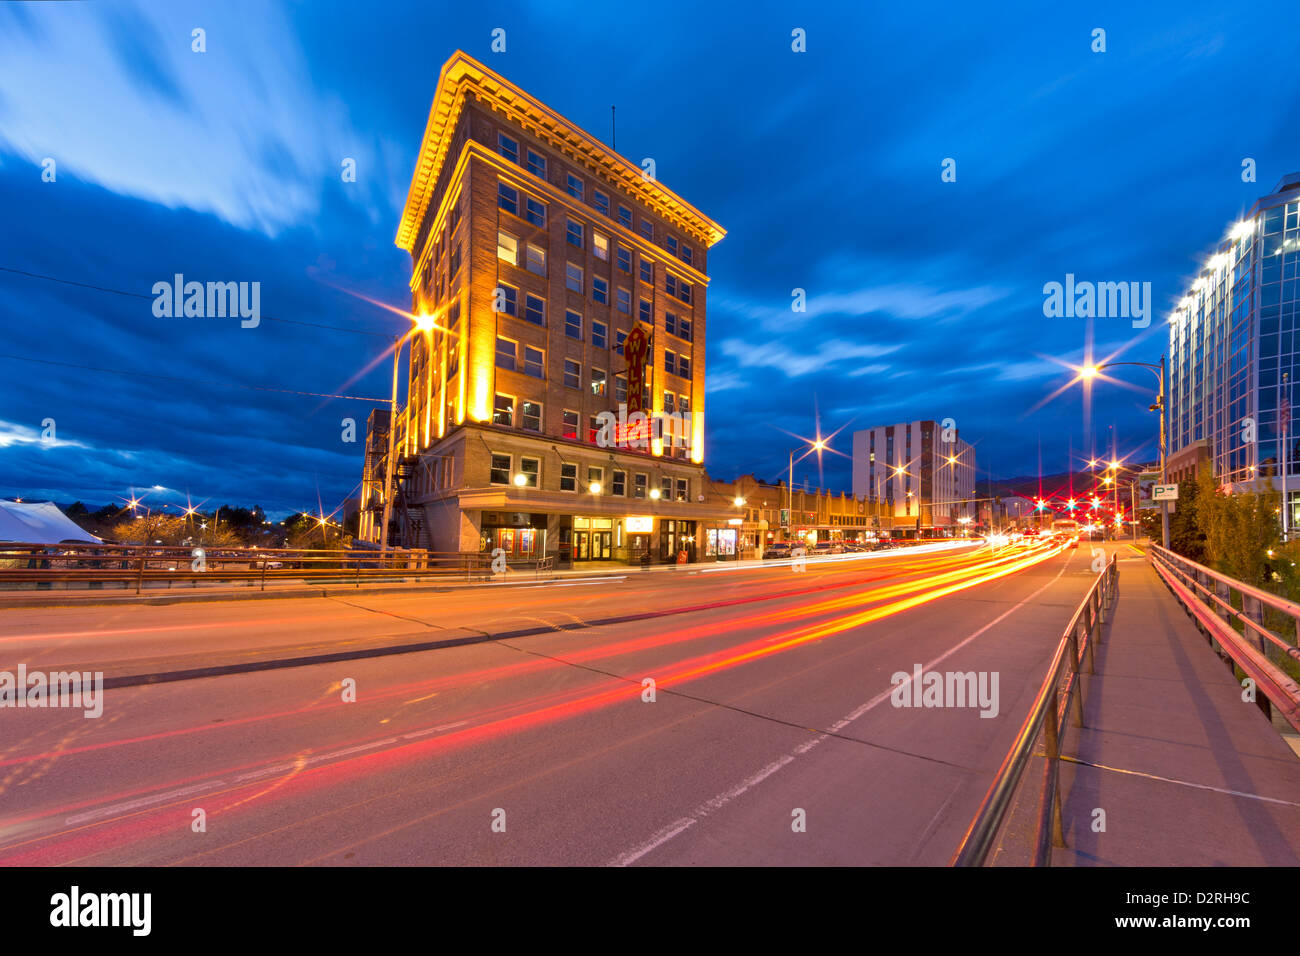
<point x="1239" y="529"/>
<point x="151" y="528"/>
<point x="1186" y="536"/>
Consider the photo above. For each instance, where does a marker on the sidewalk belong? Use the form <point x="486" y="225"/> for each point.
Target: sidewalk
<point x="1186" y="772"/>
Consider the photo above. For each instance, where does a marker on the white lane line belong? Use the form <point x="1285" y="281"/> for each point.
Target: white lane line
<point x="250" y="776"/>
<point x="570" y="584"/>
<point x="433" y="730"/>
<point x="830" y="558"/>
<point x="699" y="813"/>
<point x="142" y="802"/>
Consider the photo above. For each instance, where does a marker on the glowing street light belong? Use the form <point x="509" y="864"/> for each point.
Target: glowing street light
<point x="521" y="480"/>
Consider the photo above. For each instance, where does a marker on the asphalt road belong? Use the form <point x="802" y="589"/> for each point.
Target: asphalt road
<point x="771" y="737"/>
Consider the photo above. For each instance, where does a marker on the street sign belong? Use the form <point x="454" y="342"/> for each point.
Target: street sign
<point x="1147" y="481"/>
<point x="1164" y="493"/>
<point x="785" y="517"/>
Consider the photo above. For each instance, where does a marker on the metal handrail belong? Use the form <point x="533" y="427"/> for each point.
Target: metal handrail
<point x="1046" y="716"/>
<point x="1207" y="596"/>
<point x="134" y="565"/>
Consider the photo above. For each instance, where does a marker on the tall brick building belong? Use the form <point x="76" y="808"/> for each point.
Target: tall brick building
<point x="537" y="251"/>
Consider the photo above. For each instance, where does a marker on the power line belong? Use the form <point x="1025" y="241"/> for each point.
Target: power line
<point x="190" y="381"/>
<point x="141" y="295"/>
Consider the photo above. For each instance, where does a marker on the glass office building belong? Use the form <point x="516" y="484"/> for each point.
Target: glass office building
<point x="1234" y="350"/>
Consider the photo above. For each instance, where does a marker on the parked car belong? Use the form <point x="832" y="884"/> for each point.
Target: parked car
<point x="779" y="549"/>
<point x="826" y="547"/>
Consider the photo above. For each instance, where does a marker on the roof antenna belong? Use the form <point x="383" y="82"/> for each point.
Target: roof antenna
<point x="613" y="135"/>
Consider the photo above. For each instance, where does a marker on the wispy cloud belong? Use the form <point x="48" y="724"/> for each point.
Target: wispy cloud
<point x="793" y="363"/>
<point x="115" y="95"/>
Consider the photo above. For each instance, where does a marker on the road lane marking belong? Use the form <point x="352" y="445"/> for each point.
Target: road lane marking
<point x="683" y="824"/>
<point x="249" y="777"/>
<point x="142" y="802"/>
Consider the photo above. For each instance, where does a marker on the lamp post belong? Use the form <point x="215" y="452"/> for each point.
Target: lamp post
<point x="817" y="445"/>
<point x="420" y="323"/>
<point x="1091" y="371"/>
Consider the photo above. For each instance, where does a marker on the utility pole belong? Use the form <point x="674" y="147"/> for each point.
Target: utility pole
<point x="1164" y="505"/>
<point x="388" y="464"/>
<point x="1284" y="419"/>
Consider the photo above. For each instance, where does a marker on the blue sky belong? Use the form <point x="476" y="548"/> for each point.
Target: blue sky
<point x="924" y="297"/>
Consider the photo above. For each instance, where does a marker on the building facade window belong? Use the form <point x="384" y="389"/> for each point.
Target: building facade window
<point x="535" y="309"/>
<point x="572" y="374"/>
<point x="535" y="211"/>
<point x="507" y="147"/>
<point x="503" y="410"/>
<point x="500" y="471"/>
<point x="534" y="362"/>
<point x="568" y="477"/>
<point x="531" y="416"/>
<point x="599" y="334"/>
<point x="572" y="324"/>
<point x="536" y="259"/>
<point x="507" y="299"/>
<point x="531" y="469"/>
<point x="505" y="354"/>
<point x="537" y="164"/>
<point x="573" y="185"/>
<point x="507" y="248"/>
<point x="508" y="199"/>
<point x="573" y="277"/>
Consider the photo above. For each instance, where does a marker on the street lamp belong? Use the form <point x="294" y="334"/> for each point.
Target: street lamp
<point x="817" y="445"/>
<point x="1092" y="371"/>
<point x="422" y="324"/>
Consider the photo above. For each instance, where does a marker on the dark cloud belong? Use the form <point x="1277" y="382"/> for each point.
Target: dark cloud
<point x="925" y="298"/>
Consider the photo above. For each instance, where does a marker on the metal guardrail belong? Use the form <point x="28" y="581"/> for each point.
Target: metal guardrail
<point x="1217" y="602"/>
<point x="1060" y="688"/>
<point x="40" y="566"/>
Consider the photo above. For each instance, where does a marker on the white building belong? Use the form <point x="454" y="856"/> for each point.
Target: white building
<point x="919" y="469"/>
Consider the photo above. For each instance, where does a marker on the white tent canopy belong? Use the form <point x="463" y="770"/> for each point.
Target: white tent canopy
<point x="39" y="522"/>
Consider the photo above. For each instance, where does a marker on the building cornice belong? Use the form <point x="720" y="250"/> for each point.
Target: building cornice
<point x="462" y="76"/>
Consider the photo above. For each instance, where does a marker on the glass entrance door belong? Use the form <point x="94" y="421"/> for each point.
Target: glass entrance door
<point x="593" y="545"/>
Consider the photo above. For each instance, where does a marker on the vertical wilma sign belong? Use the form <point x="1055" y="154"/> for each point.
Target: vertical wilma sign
<point x="635" y="348"/>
